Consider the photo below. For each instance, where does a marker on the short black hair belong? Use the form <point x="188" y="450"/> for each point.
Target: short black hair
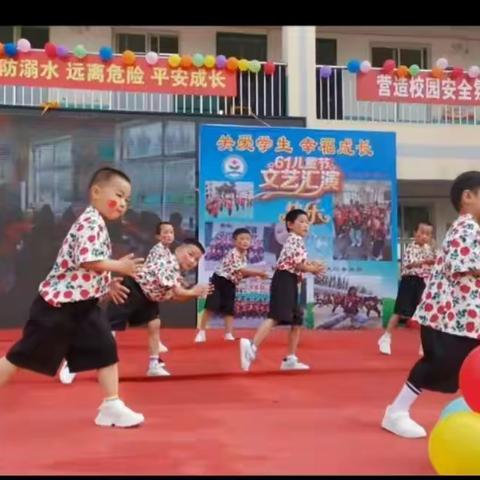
<point x="292" y="215"/>
<point x="106" y="173"/>
<point x="193" y="241"/>
<point x="240" y="231"/>
<point x="423" y="222"/>
<point x="465" y="181"/>
<point x="158" y="229"/>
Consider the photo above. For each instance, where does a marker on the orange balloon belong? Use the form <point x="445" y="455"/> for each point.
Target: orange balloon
<point x="2" y="50"/>
<point x="402" y="71"/>
<point x="186" y="61"/>
<point x="437" y="72"/>
<point x="128" y="57"/>
<point x="232" y="64"/>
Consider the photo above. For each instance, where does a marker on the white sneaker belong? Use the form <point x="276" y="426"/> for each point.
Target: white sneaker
<point x="157" y="370"/>
<point x="162" y="348"/>
<point x="292" y="363"/>
<point x="201" y="336"/>
<point x="229" y="337"/>
<point x="247" y="354"/>
<point x="114" y="413"/>
<point x="65" y="375"/>
<point x="385" y="344"/>
<point x="402" y="425"/>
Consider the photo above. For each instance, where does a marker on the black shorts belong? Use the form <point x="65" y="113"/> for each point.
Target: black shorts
<point x="137" y="309"/>
<point x="284" y="301"/>
<point x="222" y="299"/>
<point x="443" y="356"/>
<point x="75" y="331"/>
<point x="409" y="295"/>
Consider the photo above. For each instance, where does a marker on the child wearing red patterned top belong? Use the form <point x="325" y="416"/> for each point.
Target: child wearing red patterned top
<point x="417" y="263"/>
<point x="225" y="280"/>
<point x="449" y="313"/>
<point x="65" y="319"/>
<point x="284" y="302"/>
<point x="157" y="281"/>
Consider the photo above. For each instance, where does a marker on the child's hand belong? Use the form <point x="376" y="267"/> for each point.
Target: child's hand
<point x="129" y="265"/>
<point x="319" y="268"/>
<point x="118" y="292"/>
<point x="263" y="275"/>
<point x="202" y="290"/>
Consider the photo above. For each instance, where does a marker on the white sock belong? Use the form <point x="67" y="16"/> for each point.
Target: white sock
<point x="405" y="399"/>
<point x="386" y="335"/>
<point x="152" y="361"/>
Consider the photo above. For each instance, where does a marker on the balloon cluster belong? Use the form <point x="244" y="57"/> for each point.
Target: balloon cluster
<point x="220" y="62"/>
<point x="454" y="444"/>
<point x="106" y="54"/>
<point x="389" y="67"/>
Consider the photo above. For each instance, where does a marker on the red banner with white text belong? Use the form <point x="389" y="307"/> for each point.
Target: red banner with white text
<point x="376" y="86"/>
<point x="35" y="69"/>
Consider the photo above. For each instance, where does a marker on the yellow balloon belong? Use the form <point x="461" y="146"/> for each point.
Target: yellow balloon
<point x="174" y="60"/>
<point x="454" y="444"/>
<point x="243" y="65"/>
<point x="209" y="61"/>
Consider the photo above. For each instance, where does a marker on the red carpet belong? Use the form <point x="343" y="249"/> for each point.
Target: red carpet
<point x="211" y="418"/>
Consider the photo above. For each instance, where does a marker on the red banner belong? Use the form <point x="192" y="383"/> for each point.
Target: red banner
<point x="376" y="86"/>
<point x="35" y="69"/>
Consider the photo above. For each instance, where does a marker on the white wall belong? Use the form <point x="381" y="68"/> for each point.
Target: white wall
<point x="191" y="39"/>
<point x="458" y="50"/>
<point x="92" y="38"/>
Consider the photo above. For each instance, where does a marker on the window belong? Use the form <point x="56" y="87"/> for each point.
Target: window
<point x="402" y="55"/>
<point x="326" y="51"/>
<point x="53" y="174"/>
<point x="141" y="42"/>
<point x="38" y="36"/>
<point x="242" y="45"/>
<point x="131" y="41"/>
<point x="7" y="34"/>
<point x="164" y="43"/>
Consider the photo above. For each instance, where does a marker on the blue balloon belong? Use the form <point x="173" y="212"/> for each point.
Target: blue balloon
<point x="353" y="66"/>
<point x="106" y="54"/>
<point x="10" y="49"/>
<point x="455" y="406"/>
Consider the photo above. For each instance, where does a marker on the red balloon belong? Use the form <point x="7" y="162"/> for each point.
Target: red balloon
<point x="50" y="50"/>
<point x="457" y="72"/>
<point x="470" y="379"/>
<point x="269" y="68"/>
<point x="389" y="66"/>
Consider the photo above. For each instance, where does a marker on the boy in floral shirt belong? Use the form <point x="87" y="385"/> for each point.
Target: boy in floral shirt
<point x="417" y="263"/>
<point x="157" y="281"/>
<point x="65" y="319"/>
<point x="449" y="313"/>
<point x="225" y="280"/>
<point x="284" y="302"/>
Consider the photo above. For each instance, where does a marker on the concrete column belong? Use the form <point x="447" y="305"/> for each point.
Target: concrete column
<point x="298" y="52"/>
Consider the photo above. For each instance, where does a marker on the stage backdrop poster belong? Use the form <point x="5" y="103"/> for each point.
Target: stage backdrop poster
<point x="346" y="181"/>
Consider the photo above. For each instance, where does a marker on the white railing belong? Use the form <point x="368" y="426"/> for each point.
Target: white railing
<point x="258" y="94"/>
<point x="337" y="100"/>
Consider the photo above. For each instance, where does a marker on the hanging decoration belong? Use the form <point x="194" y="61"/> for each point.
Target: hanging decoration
<point x="106" y="54"/>
<point x="353" y="66"/>
<point x="389" y="66"/>
<point x="151" y="58"/>
<point x="269" y="68"/>
<point x="325" y="71"/>
<point x="50" y="50"/>
<point x="23" y="45"/>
